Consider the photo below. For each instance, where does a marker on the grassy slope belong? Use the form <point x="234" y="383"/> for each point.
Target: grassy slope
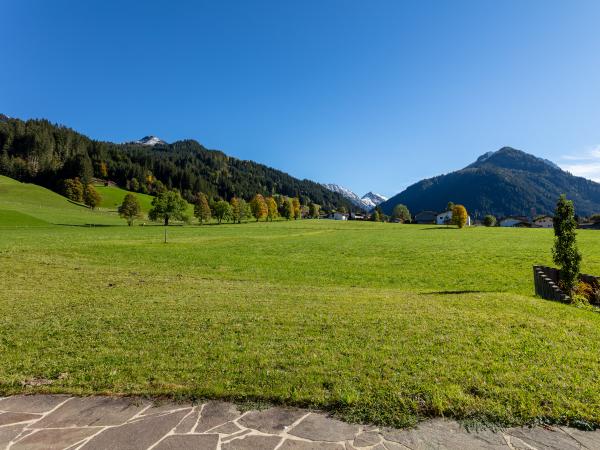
<point x="113" y="196"/>
<point x="30" y="200"/>
<point x="364" y="319"/>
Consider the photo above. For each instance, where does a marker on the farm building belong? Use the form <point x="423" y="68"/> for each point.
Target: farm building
<point x="340" y="216"/>
<point x="543" y="222"/>
<point x="515" y="221"/>
<point x="445" y="218"/>
<point x="425" y="217"/>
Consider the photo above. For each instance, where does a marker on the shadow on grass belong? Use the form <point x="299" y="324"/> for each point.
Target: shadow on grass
<point x="439" y="228"/>
<point x="467" y="291"/>
<point x="88" y="225"/>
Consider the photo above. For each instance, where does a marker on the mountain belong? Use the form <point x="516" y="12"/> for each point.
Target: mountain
<point x="367" y="202"/>
<point x="372" y="199"/>
<point x="150" y="140"/>
<point x="37" y="151"/>
<point x="504" y="182"/>
<point x="346" y="193"/>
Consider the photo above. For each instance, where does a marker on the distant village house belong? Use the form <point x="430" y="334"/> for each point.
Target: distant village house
<point x="544" y="222"/>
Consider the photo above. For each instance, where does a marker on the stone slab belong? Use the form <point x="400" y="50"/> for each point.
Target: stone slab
<point x="442" y="433"/>
<point x="291" y="444"/>
<point x="367" y="439"/>
<point x="35" y="404"/>
<point x="545" y="438"/>
<point x="55" y="439"/>
<point x="92" y="411"/>
<point x="317" y="427"/>
<point x="253" y="443"/>
<point x="272" y="420"/>
<point x="189" y="442"/>
<point x="214" y="414"/>
<point x="8" y="418"/>
<point x="7" y="434"/>
<point x="136" y="435"/>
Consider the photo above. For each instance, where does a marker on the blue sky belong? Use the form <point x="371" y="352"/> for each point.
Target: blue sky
<point x="370" y="95"/>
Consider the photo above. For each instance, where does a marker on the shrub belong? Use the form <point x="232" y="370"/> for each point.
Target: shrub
<point x="489" y="221"/>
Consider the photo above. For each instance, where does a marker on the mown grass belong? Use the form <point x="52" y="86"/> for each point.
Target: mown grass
<point x="378" y="323"/>
<point x="112" y="198"/>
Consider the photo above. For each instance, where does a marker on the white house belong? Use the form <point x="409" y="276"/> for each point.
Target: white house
<point x="445" y="218"/>
<point x="544" y="222"/>
<point x="339" y="216"/>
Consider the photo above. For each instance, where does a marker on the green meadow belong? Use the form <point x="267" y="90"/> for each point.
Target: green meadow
<point x="377" y="323"/>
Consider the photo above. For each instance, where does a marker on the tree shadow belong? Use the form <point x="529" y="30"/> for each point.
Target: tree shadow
<point x="466" y="291"/>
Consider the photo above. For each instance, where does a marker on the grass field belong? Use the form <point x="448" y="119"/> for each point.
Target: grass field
<point x="378" y="323"/>
<point x="113" y="196"/>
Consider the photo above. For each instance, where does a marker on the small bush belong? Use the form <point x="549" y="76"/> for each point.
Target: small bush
<point x="489" y="221"/>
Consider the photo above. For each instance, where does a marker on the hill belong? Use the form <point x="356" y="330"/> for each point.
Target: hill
<point x="24" y="204"/>
<point x="505" y="182"/>
<point x="43" y="153"/>
<point x="112" y="197"/>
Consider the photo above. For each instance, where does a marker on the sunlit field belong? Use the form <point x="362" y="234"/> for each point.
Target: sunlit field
<point x="378" y="323"/>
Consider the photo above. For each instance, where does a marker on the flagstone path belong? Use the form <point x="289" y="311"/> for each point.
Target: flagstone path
<point x="52" y="422"/>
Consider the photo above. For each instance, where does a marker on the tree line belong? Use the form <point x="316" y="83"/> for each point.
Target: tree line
<point x="170" y="205"/>
<point x="43" y="153"/>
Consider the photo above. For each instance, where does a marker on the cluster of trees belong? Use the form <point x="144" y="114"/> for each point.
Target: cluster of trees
<point x="170" y="205"/>
<point x="40" y="152"/>
<point x="74" y="189"/>
<point x="258" y="208"/>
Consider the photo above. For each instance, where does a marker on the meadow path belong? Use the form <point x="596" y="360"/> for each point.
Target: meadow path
<point x="52" y="422"/>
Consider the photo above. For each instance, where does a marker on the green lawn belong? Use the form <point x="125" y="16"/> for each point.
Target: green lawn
<point x="379" y="323"/>
<point x="113" y="196"/>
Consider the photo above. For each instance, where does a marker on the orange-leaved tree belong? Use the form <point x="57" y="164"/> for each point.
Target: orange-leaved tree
<point x="459" y="215"/>
<point x="259" y="207"/>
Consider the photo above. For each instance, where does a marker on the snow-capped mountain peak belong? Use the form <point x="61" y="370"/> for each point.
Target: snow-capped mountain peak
<point x="372" y="199"/>
<point x="369" y="201"/>
<point x="150" y="140"/>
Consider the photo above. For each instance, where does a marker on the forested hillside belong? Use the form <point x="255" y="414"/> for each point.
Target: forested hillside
<point x="505" y="182"/>
<point x="40" y="152"/>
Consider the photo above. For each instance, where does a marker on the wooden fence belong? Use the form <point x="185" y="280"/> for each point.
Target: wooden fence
<point x="546" y="279"/>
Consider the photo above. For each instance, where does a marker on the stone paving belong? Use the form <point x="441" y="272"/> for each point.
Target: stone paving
<point x="52" y="422"/>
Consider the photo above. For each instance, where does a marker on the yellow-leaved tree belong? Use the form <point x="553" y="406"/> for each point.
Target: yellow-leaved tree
<point x="272" y="212"/>
<point x="296" y="208"/>
<point x="459" y="215"/>
<point x="259" y="207"/>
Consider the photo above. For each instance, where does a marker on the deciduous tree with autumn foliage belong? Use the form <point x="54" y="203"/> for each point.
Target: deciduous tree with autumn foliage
<point x="459" y="216"/>
<point x="259" y="207"/>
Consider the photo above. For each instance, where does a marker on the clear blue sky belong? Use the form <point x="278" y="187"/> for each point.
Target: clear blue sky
<point x="370" y="95"/>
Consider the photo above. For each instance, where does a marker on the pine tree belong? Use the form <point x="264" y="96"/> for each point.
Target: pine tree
<point x="565" y="252"/>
